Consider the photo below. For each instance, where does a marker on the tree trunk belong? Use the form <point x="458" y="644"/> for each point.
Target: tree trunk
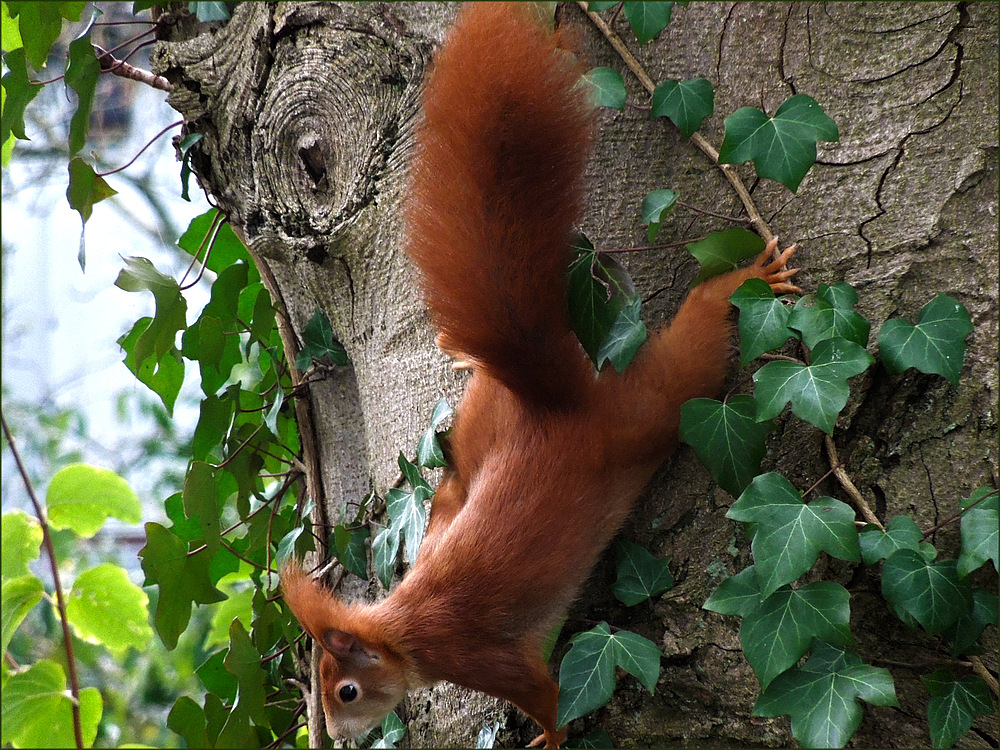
<point x="307" y="111"/>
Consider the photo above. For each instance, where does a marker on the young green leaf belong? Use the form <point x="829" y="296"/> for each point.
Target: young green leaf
<point x="821" y="696"/>
<point x="40" y="24"/>
<point x="349" y="545"/>
<point x="818" y="391"/>
<point x="764" y="321"/>
<point x="105" y="607"/>
<point x="900" y="533"/>
<point x="36" y="707"/>
<point x="954" y="704"/>
<point x="780" y="629"/>
<point x="686" y="103"/>
<point x="606" y="86"/>
<point x="82" y="498"/>
<point x="788" y="535"/>
<point x="829" y="314"/>
<point x="85" y="188"/>
<point x="936" y="345"/>
<point x="655" y="207"/>
<point x="640" y="575"/>
<point x="430" y="453"/>
<point x="980" y="525"/>
<point x="782" y="147"/>
<point x="18" y="597"/>
<point x="18" y="93"/>
<point x="82" y="72"/>
<point x="10" y="32"/>
<point x="727" y="438"/>
<point x="722" y="251"/>
<point x="22" y="539"/>
<point x="587" y="672"/>
<point x="930" y="592"/>
<point x="647" y="19"/>
<point x="967" y="629"/>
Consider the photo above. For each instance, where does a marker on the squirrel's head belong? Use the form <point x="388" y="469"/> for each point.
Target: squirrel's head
<point x="361" y="678"/>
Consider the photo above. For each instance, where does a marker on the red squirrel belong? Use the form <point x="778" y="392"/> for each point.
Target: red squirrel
<point x="546" y="457"/>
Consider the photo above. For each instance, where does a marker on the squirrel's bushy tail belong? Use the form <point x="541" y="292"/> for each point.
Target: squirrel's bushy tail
<point x="496" y="192"/>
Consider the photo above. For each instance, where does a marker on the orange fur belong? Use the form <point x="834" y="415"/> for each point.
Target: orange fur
<point x="546" y="459"/>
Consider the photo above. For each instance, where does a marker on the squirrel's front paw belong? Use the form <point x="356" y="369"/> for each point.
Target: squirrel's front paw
<point x="772" y="269"/>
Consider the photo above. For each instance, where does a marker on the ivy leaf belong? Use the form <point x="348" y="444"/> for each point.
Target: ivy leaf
<point x="722" y="251"/>
<point x="627" y="334"/>
<point x="39" y="24"/>
<point x="821" y="696"/>
<point x="201" y="502"/>
<point x="727" y="438"/>
<point x="140" y="275"/>
<point x="606" y="86"/>
<point x="209" y="10"/>
<point x="487" y="736"/>
<point x="318" y="343"/>
<point x="640" y="575"/>
<point x="408" y="514"/>
<point x="349" y="545"/>
<point x="36" y="707"/>
<point x="21" y="542"/>
<point x="105" y="607"/>
<point x="587" y="672"/>
<point x="936" y="345"/>
<point x="788" y="535"/>
<point x="900" y="533"/>
<point x="18" y="597"/>
<point x="782" y="147"/>
<point x="18" y="93"/>
<point x="967" y="629"/>
<point x="392" y="732"/>
<point x="686" y="103"/>
<point x="184" y="149"/>
<point x="598" y="739"/>
<point x="385" y="548"/>
<point x="980" y="526"/>
<point x="780" y="629"/>
<point x="737" y="595"/>
<point x="86" y="188"/>
<point x="764" y="321"/>
<point x="164" y="376"/>
<point x="243" y="661"/>
<point x="655" y="207"/>
<point x="647" y="19"/>
<point x="930" y="592"/>
<point x="10" y="31"/>
<point x="818" y="391"/>
<point x="429" y="451"/>
<point x="187" y="719"/>
<point x="82" y="72"/>
<point x="954" y="704"/>
<point x="830" y="314"/>
<point x="82" y="498"/>
<point x="212" y="339"/>
<point x="226" y="249"/>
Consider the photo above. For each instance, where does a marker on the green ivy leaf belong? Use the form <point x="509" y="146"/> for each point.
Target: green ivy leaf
<point x="764" y="321"/>
<point x="243" y="661"/>
<point x="967" y="629"/>
<point x="778" y="632"/>
<point x="226" y="249"/>
<point x="105" y="607"/>
<point x="721" y="252"/>
<point x="640" y="575"/>
<point x="212" y="339"/>
<point x="980" y="526"/>
<point x="818" y="391"/>
<point x="182" y="579"/>
<point x="487" y="736"/>
<point x="10" y="31"/>
<point x="184" y="149"/>
<point x="587" y="672"/>
<point x="830" y="314"/>
<point x="686" y="103"/>
<point x="36" y="707"/>
<point x="930" y="592"/>
<point x="429" y="451"/>
<point x="408" y="514"/>
<point x="900" y="533"/>
<point x="655" y="208"/>
<point x="22" y="539"/>
<point x="727" y="438"/>
<point x="18" y="93"/>
<point x="392" y="732"/>
<point x="187" y="719"/>
<point x="18" y="597"/>
<point x="954" y="704"/>
<point x="318" y="343"/>
<point x="82" y="498"/>
<point x="349" y="545"/>
<point x="140" y="275"/>
<point x="85" y="188"/>
<point x="209" y="10"/>
<point x="385" y="548"/>
<point x="627" y="334"/>
<point x="782" y="147"/>
<point x="164" y="376"/>
<point x="597" y="7"/>
<point x="647" y="19"/>
<point x="598" y="739"/>
<point x="821" y="696"/>
<point x="607" y="89"/>
<point x="739" y="594"/>
<point x="788" y="535"/>
<point x="40" y="25"/>
<point x="936" y="345"/>
<point x="201" y="502"/>
<point x="82" y="72"/>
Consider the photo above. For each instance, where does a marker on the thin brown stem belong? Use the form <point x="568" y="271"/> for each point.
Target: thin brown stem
<point x="119" y="67"/>
<point x="74" y="680"/>
<point x="845" y="481"/>
<point x="141" y="150"/>
<point x="954" y="517"/>
<point x="696" y="209"/>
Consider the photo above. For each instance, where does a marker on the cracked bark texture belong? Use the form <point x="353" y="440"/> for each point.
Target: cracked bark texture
<point x="307" y="111"/>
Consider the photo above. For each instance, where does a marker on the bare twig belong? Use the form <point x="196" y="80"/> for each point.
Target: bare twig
<point x="955" y="516"/>
<point x="151" y="141"/>
<point x="111" y="64"/>
<point x="74" y="681"/>
<point x="845" y="481"/>
<point x="980" y="669"/>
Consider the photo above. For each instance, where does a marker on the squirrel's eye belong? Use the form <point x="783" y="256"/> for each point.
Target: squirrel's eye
<point x="348" y="693"/>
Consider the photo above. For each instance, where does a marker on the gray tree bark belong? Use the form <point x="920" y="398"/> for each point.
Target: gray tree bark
<point x="307" y="111"/>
